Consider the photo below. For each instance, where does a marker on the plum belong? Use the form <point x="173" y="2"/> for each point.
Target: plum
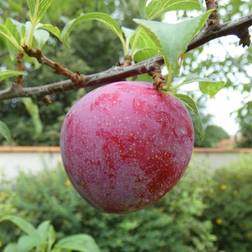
<point x="125" y="145"/>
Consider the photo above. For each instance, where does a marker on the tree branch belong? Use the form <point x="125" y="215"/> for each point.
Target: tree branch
<point x="58" y="68"/>
<point x="236" y="28"/>
<point x="213" y="21"/>
<point x="118" y="73"/>
<point x="20" y="67"/>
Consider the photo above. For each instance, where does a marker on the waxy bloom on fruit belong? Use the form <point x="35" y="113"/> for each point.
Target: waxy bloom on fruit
<point x="124" y="145"/>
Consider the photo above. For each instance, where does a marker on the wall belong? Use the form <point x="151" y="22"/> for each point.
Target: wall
<point x="32" y="159"/>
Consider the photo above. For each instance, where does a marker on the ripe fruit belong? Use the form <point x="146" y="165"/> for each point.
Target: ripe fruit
<point x="125" y="145"/>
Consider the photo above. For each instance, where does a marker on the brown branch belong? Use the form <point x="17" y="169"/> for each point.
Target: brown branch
<point x="213" y="21"/>
<point x="236" y="28"/>
<point x="99" y="79"/>
<point x="20" y="67"/>
<point x="119" y="73"/>
<point x="77" y="78"/>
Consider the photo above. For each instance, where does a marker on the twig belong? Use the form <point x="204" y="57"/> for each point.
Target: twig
<point x="233" y="28"/>
<point x="20" y="67"/>
<point x="111" y="75"/>
<point x="77" y="78"/>
<point x="244" y="37"/>
<point x="119" y="73"/>
<point x="213" y="21"/>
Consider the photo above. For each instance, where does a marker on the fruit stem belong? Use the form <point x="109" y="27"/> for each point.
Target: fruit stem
<point x="158" y="79"/>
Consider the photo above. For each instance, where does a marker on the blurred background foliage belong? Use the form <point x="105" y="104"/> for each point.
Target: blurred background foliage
<point x="208" y="211"/>
<point x="244" y="116"/>
<point x="94" y="48"/>
<point x="230" y="206"/>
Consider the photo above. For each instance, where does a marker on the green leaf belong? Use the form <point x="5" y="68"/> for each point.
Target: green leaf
<point x="5" y="132"/>
<point x="38" y="9"/>
<point x="144" y="54"/>
<point x="27" y="243"/>
<point x="41" y="37"/>
<point x="9" y="37"/>
<point x="12" y="28"/>
<point x="207" y="86"/>
<point x="189" y="102"/>
<point x="81" y="242"/>
<point x="31" y="5"/>
<point x="46" y="234"/>
<point x="9" y="73"/>
<point x="28" y="31"/>
<point x="43" y="230"/>
<point x="174" y="38"/>
<point x="158" y="7"/>
<point x="33" y="110"/>
<point x="54" y="30"/>
<point x="21" y="223"/>
<point x="12" y="247"/>
<point x="142" y="6"/>
<point x="210" y="88"/>
<point x="128" y="34"/>
<point x="19" y="30"/>
<point x="142" y="40"/>
<point x="98" y="16"/>
<point x="191" y="105"/>
<point x="51" y="237"/>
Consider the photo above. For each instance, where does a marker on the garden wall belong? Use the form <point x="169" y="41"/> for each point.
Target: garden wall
<point x="15" y="159"/>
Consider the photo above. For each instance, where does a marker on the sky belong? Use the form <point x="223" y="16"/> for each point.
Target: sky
<point x="227" y="100"/>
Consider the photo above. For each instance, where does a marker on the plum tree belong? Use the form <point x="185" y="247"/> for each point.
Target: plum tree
<point x="125" y="145"/>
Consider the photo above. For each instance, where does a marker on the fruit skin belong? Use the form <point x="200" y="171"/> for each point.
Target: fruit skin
<point x="124" y="145"/>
